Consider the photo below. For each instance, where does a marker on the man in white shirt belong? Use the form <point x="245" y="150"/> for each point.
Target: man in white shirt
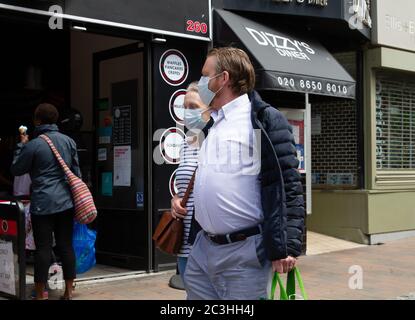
<point x="248" y="195"/>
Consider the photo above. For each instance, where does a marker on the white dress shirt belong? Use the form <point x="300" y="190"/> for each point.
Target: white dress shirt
<point x="227" y="190"/>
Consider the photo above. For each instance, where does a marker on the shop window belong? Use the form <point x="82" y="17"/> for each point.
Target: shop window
<point x="395" y="122"/>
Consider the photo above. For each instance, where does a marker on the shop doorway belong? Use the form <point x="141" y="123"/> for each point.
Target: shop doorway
<point x="41" y="65"/>
<point x="119" y="95"/>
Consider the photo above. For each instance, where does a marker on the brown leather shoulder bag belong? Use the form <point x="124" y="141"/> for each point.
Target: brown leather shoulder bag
<point x="168" y="235"/>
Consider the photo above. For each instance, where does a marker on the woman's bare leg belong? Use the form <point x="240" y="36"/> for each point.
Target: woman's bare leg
<point x="68" y="289"/>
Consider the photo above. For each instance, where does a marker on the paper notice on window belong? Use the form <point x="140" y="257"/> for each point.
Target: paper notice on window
<point x="296" y="133"/>
<point x="122" y="166"/>
<point x="7" y="275"/>
<point x="316" y="125"/>
<point x="102" y="154"/>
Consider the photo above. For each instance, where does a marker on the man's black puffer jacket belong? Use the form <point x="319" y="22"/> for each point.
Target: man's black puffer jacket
<point x="281" y="188"/>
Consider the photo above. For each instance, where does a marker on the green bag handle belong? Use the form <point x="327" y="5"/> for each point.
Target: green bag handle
<point x="283" y="293"/>
<point x="289" y="293"/>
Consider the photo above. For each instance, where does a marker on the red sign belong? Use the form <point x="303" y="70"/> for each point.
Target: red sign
<point x="196" y="26"/>
<point x="8" y="228"/>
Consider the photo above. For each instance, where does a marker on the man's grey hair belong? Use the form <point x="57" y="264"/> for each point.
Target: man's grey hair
<point x="193" y="87"/>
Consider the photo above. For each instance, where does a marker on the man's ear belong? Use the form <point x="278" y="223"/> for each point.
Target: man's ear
<point x="226" y="77"/>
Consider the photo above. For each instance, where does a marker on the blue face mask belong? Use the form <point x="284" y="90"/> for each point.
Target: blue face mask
<point x="193" y="118"/>
<point x="206" y="95"/>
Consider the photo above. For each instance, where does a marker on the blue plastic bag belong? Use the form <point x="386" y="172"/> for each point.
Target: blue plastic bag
<point x="84" y="247"/>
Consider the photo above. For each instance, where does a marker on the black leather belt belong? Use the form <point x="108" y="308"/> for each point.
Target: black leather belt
<point x="235" y="236"/>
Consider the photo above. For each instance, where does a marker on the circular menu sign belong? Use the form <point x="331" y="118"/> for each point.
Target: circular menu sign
<point x="172" y="184"/>
<point x="170" y="143"/>
<point x="174" y="67"/>
<point x="176" y="106"/>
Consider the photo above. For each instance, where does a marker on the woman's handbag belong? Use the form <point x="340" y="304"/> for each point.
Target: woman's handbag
<point x="168" y="235"/>
<point x="288" y="293"/>
<point x="85" y="210"/>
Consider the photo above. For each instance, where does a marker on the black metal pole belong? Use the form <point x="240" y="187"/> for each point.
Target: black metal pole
<point x="360" y="117"/>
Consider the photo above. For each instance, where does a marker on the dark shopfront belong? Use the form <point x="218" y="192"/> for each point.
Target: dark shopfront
<point x="309" y="63"/>
<point x="123" y="71"/>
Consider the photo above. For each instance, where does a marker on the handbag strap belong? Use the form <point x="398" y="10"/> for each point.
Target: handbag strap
<point x="58" y="157"/>
<point x="188" y="190"/>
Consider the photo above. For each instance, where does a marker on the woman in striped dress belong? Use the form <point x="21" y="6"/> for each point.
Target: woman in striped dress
<point x="197" y="116"/>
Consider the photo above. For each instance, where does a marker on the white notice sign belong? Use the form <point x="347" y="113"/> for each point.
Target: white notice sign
<point x="122" y="166"/>
<point x="316" y="125"/>
<point x="7" y="277"/>
<point x="102" y="154"/>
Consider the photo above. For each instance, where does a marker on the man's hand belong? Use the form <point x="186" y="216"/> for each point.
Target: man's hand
<point x="292" y="262"/>
<point x="24" y="138"/>
<point x="177" y="211"/>
<point x="284" y="265"/>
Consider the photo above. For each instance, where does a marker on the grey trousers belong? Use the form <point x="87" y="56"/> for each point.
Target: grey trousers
<point x="235" y="271"/>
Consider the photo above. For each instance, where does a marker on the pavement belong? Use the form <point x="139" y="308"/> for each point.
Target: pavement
<point x="347" y="271"/>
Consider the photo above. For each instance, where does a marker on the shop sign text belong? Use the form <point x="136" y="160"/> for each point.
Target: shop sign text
<point x="284" y="46"/>
<point x="318" y="3"/>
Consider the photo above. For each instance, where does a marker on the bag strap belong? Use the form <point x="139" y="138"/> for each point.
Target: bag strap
<point x="188" y="190"/>
<point x="288" y="293"/>
<point x="58" y="157"/>
<point x="283" y="293"/>
<point x="297" y="275"/>
<point x="291" y="285"/>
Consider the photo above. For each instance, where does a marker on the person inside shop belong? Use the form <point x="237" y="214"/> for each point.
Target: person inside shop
<point x="197" y="117"/>
<point x="52" y="208"/>
<point x="21" y="190"/>
<point x="249" y="203"/>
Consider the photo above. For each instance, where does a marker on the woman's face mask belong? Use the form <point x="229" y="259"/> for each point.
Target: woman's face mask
<point x="194" y="112"/>
<point x="206" y="95"/>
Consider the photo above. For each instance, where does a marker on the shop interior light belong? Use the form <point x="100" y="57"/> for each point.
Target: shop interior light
<point x="81" y="28"/>
<point x="159" y="39"/>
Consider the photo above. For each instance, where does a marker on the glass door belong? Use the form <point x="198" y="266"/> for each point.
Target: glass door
<point x="120" y="144"/>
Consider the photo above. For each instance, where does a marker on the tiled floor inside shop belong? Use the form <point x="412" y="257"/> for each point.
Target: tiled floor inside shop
<point x="99" y="271"/>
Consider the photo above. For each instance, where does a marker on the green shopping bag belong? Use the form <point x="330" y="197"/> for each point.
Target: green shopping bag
<point x="289" y="292"/>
